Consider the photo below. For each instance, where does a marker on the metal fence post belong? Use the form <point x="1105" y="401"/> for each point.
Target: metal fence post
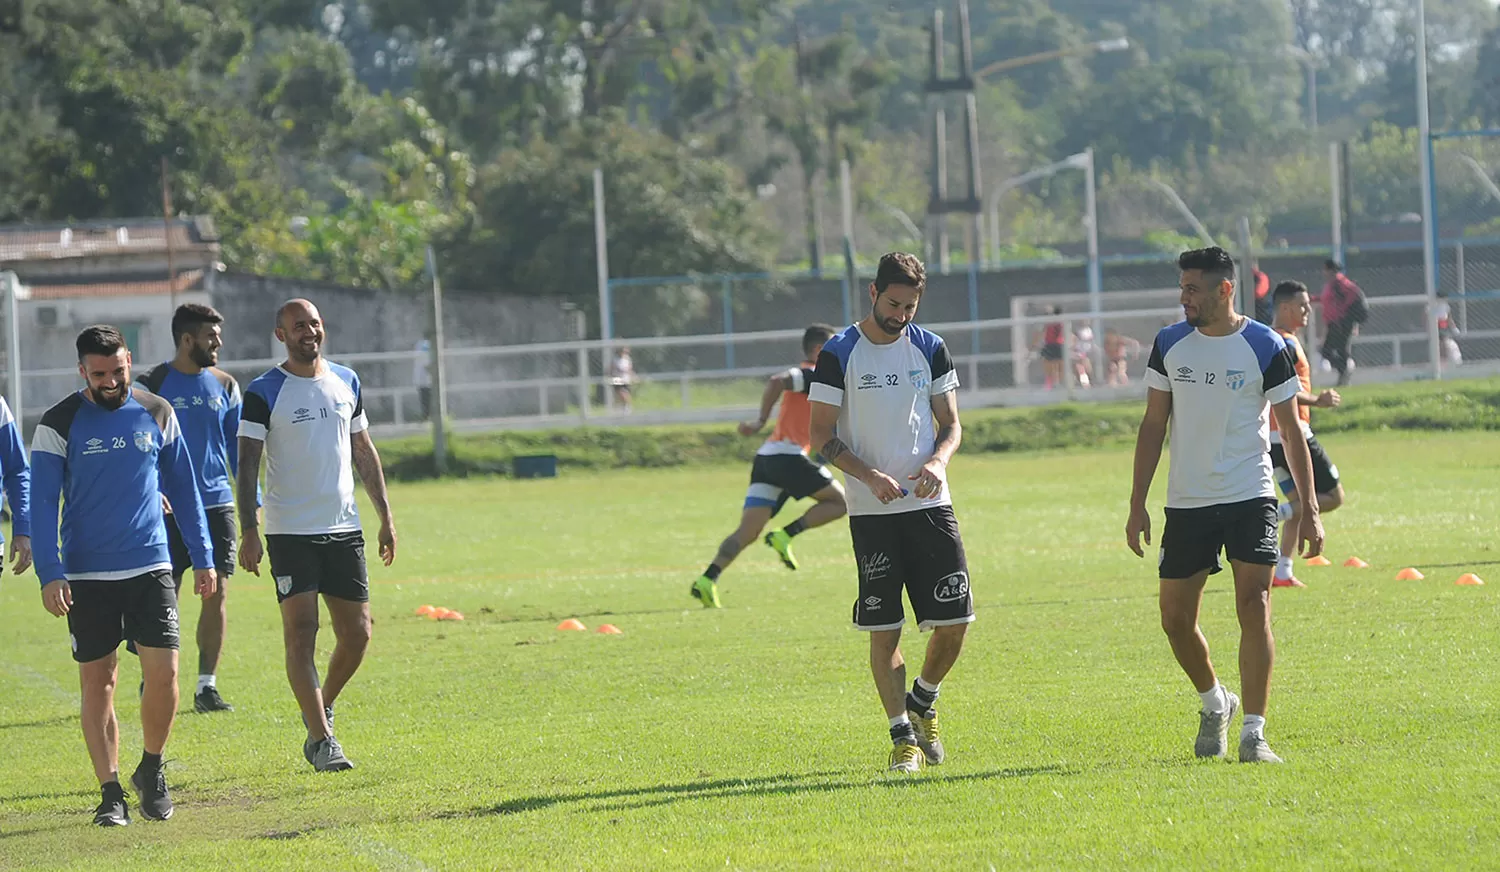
<point x="728" y="296"/>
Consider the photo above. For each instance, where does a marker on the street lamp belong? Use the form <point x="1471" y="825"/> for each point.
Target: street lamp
<point x="1088" y="48"/>
<point x="1183" y="210"/>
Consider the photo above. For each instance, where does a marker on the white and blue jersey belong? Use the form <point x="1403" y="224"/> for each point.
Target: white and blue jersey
<point x="885" y="397"/>
<point x="16" y="473"/>
<point x="306" y="424"/>
<point x="208" y="411"/>
<point x="1222" y="388"/>
<point x="110" y="468"/>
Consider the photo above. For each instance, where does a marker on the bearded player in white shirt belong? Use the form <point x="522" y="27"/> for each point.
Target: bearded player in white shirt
<point x="1211" y="378"/>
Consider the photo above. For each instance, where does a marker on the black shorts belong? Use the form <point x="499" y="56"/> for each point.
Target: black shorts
<point x="776" y="478"/>
<point x="1193" y="538"/>
<point x="332" y="564"/>
<point x="1052" y="352"/>
<point x="1325" y="474"/>
<point x="920" y="551"/>
<point x="223" y="535"/>
<point x="104" y="613"/>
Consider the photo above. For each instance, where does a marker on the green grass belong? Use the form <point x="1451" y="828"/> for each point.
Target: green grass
<point x="1440" y="406"/>
<point x="751" y="738"/>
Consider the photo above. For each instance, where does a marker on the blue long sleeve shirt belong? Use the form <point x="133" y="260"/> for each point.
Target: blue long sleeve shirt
<point x="208" y="411"/>
<point x="110" y="468"/>
<point x="16" y="473"/>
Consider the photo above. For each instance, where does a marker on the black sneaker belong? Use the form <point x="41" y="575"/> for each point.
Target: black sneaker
<point x="208" y="700"/>
<point x="151" y="787"/>
<point x="112" y="811"/>
<point x="326" y="755"/>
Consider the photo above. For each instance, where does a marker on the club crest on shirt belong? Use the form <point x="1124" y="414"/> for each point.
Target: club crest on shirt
<point x="144" y="442"/>
<point x="1234" y="379"/>
<point x="918" y="379"/>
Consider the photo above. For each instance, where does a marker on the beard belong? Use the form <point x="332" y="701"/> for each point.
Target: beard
<point x="204" y="357"/>
<point x="109" y="401"/>
<point x="301" y="354"/>
<point x="891" y="326"/>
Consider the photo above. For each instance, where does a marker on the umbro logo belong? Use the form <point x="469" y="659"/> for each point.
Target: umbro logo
<point x="1185" y="374"/>
<point x="867" y="377"/>
<point x="872" y="601"/>
<point x="95" y="443"/>
<point x="301" y="414"/>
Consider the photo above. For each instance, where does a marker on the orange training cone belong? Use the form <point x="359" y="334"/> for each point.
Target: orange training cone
<point x="609" y="630"/>
<point x="1410" y="573"/>
<point x="453" y="615"/>
<point x="1356" y="563"/>
<point x="424" y="611"/>
<point x="1469" y="578"/>
<point x="440" y="614"/>
<point x="1320" y="560"/>
<point x="572" y="624"/>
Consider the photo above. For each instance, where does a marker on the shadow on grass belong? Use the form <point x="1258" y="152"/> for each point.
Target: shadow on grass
<point x="58" y="721"/>
<point x="769" y="786"/>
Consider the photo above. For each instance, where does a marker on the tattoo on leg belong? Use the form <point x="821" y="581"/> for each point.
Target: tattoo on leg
<point x="729" y="548"/>
<point x="832" y="449"/>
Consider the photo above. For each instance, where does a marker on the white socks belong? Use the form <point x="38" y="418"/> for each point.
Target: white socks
<point x="1283" y="567"/>
<point x="205" y="681"/>
<point x="1255" y="725"/>
<point x="900" y="720"/>
<point x="1214" y="700"/>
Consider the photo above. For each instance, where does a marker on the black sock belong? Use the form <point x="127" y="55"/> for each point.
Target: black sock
<point x="904" y="733"/>
<point x="795" y="527"/>
<point x="920" y="700"/>
<point x="149" y="762"/>
<point x="111" y="788"/>
<point x="712" y="572"/>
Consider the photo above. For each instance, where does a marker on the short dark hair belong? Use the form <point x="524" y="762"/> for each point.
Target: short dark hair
<point x="1285" y="291"/>
<point x="1333" y="265"/>
<point x="99" y="339"/>
<point x="816" y="335"/>
<point x="1213" y="260"/>
<point x="900" y="268"/>
<point x="191" y="316"/>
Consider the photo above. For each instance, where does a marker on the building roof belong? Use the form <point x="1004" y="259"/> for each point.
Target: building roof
<point x="20" y="243"/>
<point x="187" y="280"/>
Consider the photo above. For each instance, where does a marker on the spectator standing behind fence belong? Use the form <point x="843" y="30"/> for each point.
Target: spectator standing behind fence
<point x="1344" y="309"/>
<point x="622" y="376"/>
<point x="1264" y="310"/>
<point x="421" y="376"/>
<point x="1052" y="350"/>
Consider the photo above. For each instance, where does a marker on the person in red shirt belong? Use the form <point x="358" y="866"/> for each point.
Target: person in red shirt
<point x="782" y="472"/>
<point x="1340" y="294"/>
<point x="1263" y="308"/>
<point x="1052" y="350"/>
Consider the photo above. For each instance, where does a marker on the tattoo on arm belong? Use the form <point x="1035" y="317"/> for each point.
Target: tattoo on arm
<point x="247" y="481"/>
<point x="367" y="463"/>
<point x="832" y="449"/>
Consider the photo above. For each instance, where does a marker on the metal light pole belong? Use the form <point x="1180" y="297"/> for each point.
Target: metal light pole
<point x="1429" y="238"/>
<point x="601" y="264"/>
<point x="1096" y="279"/>
<point x="992" y="202"/>
<point x="439" y="377"/>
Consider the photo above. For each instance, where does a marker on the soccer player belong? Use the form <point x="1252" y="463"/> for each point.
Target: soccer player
<point x="109" y="452"/>
<point x="782" y="471"/>
<point x="307" y="417"/>
<point x="1293" y="306"/>
<point x="885" y="411"/>
<point x="207" y="402"/>
<point x="16" y="474"/>
<point x="1211" y="377"/>
<point x="1343" y="309"/>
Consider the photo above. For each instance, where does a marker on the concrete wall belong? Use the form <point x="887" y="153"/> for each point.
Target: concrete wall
<point x="359" y="320"/>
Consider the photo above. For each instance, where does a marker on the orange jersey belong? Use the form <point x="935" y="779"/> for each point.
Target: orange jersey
<point x="1304" y="376"/>
<point x="794" y="424"/>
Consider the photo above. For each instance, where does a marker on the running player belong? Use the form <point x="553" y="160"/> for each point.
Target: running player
<point x="1293" y="306"/>
<point x="782" y="471"/>
<point x="308" y="418"/>
<point x="207" y="402"/>
<point x="881" y="390"/>
<point x="104" y="456"/>
<point x="1211" y="378"/>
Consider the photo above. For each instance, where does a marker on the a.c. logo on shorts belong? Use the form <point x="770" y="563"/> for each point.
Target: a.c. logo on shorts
<point x="952" y="588"/>
<point x="284" y="584"/>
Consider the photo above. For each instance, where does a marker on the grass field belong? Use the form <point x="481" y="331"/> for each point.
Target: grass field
<point x="751" y="738"/>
